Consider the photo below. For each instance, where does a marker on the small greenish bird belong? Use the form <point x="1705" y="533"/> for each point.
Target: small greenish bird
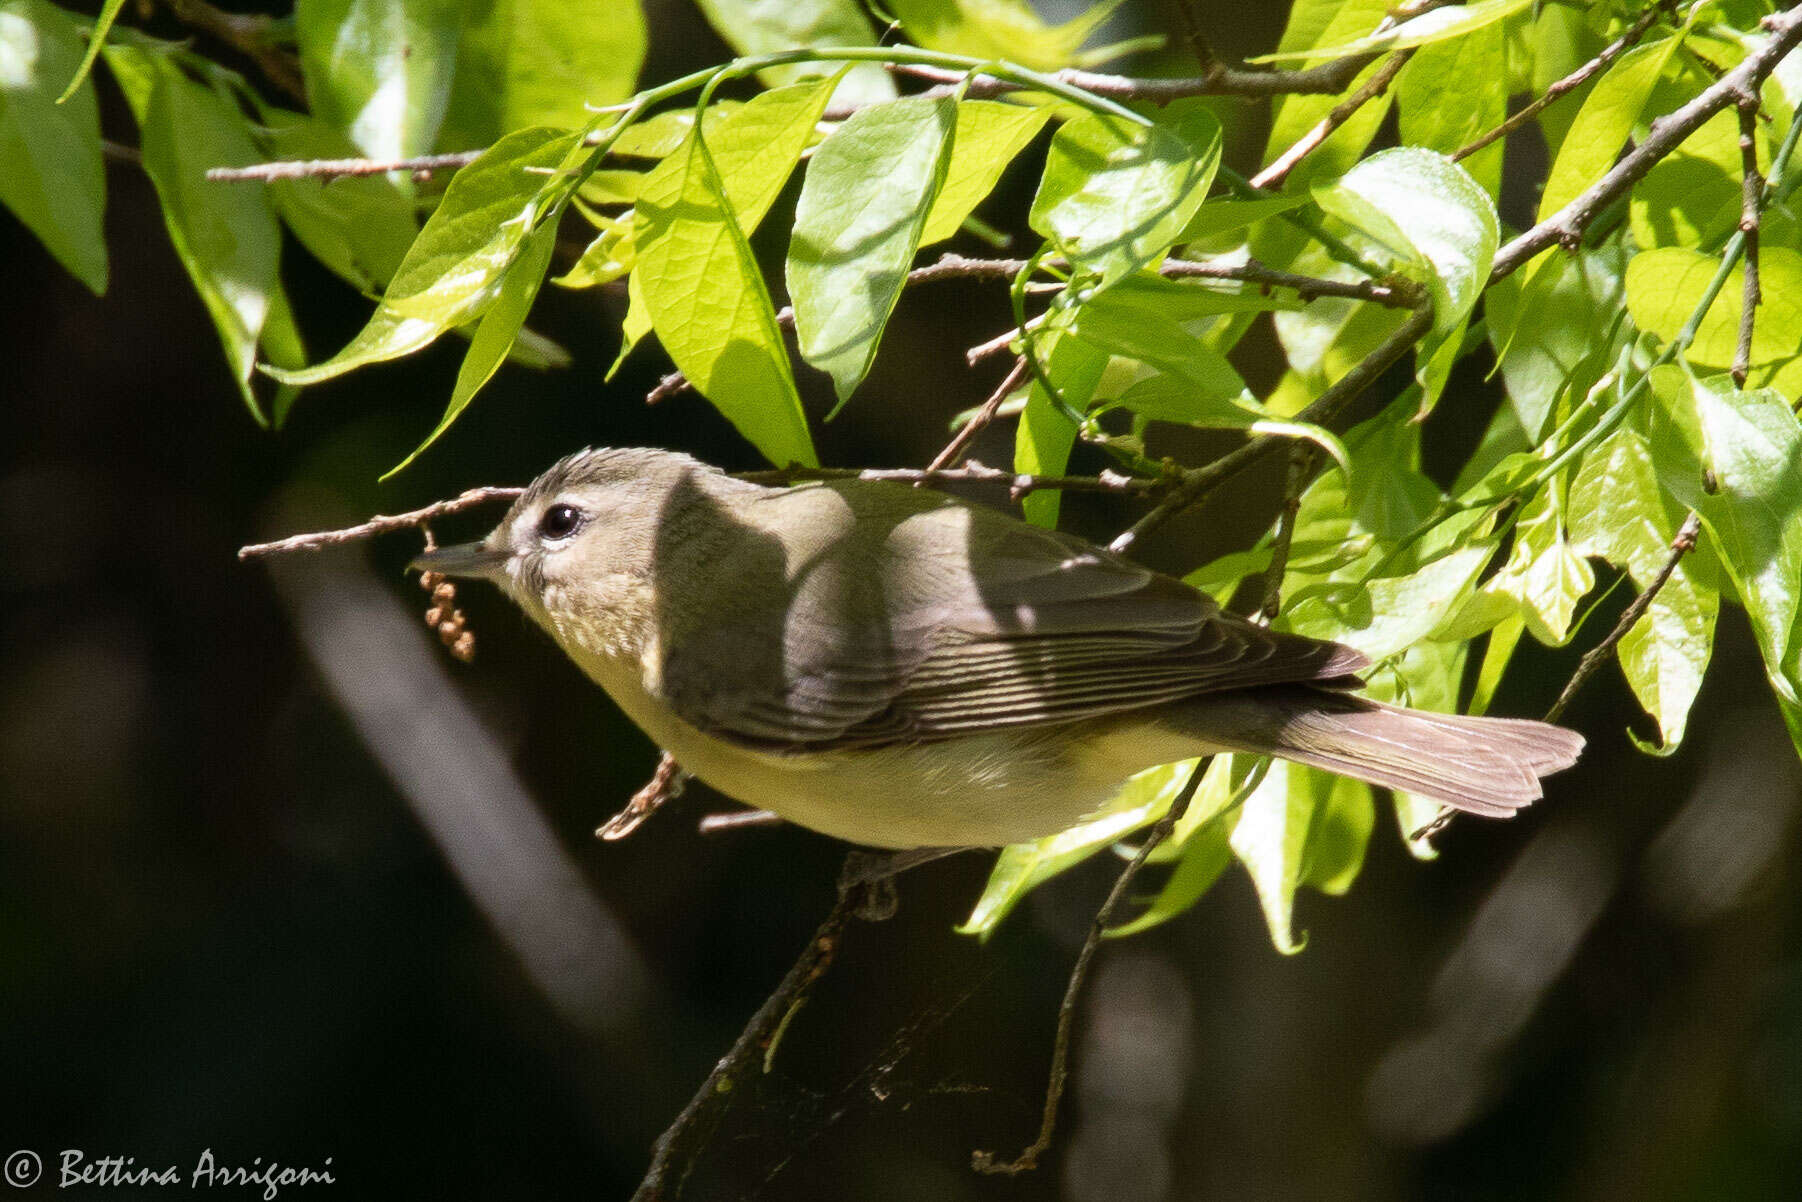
<point x="902" y="669"/>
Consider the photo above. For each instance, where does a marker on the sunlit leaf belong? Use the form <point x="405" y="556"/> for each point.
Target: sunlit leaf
<point x="1443" y="103"/>
<point x="762" y="27"/>
<point x="1116" y="195"/>
<point x="1545" y="574"/>
<point x="495" y="333"/>
<point x="453" y="270"/>
<point x="1434" y="25"/>
<point x="1313" y="24"/>
<point x="700" y="284"/>
<point x="1664" y="286"/>
<point x="1736" y="459"/>
<point x="227" y="238"/>
<point x="52" y="178"/>
<point x="1009" y="30"/>
<point x="989" y="135"/>
<point x="857" y="225"/>
<point x="521" y="63"/>
<point x="380" y="70"/>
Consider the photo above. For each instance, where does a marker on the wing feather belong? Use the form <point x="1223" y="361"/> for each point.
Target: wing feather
<point x="946" y="619"/>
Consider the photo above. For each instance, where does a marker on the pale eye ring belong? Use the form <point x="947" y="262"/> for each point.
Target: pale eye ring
<point x="560" y="521"/>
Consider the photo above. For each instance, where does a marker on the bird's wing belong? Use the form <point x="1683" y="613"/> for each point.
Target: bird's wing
<point x="949" y="620"/>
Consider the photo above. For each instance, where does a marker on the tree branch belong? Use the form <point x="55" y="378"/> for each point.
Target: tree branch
<point x="1571" y="82"/>
<point x="1274" y="175"/>
<point x="248" y="35"/>
<point x="380" y="524"/>
<point x="1028" y="1159"/>
<point x="1751" y="201"/>
<point x="673" y="1155"/>
<point x="1681" y="545"/>
<point x="1566" y="226"/>
<point x="960" y="442"/>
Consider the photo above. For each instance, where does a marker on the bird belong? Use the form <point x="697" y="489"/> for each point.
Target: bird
<point x="902" y="669"/>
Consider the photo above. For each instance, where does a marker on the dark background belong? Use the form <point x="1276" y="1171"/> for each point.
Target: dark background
<point x="248" y="904"/>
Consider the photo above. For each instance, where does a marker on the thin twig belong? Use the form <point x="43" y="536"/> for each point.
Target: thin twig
<point x="1571" y="82"/>
<point x="1390" y="294"/>
<point x="380" y="524"/>
<point x="960" y="442"/>
<point x="1681" y="545"/>
<point x="1301" y="465"/>
<point x="1018" y="484"/>
<point x="250" y="36"/>
<point x="1196" y="483"/>
<point x="737" y="820"/>
<point x="665" y="785"/>
<point x="328" y="169"/>
<point x="1751" y="199"/>
<point x="1028" y="1159"/>
<point x="1566" y="226"/>
<point x="1198" y="42"/>
<point x="673" y="1155"/>
<point x="1274" y="175"/>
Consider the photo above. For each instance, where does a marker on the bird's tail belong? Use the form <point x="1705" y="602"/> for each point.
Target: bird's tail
<point x="1487" y="766"/>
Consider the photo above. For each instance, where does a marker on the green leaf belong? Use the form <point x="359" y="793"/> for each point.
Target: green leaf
<point x="1604" y="123"/>
<point x="1664" y="286"/>
<point x="1007" y="30"/>
<point x="1545" y="575"/>
<point x="1313" y="24"/>
<point x="1443" y="106"/>
<point x="1748" y="447"/>
<point x="226" y="237"/>
<point x="1224" y="216"/>
<point x="1022" y="867"/>
<point x="761" y="27"/>
<point x="1271" y="837"/>
<point x="358" y="226"/>
<point x="380" y="70"/>
<point x="1435" y="25"/>
<point x="53" y="179"/>
<point x="989" y="135"/>
<point x="609" y="257"/>
<point x="857" y="225"/>
<point x="494" y="336"/>
<point x="1665" y="654"/>
<point x="1389" y="614"/>
<point x="701" y="286"/>
<point x="103" y="24"/>
<point x="1426" y="209"/>
<point x="521" y="63"/>
<point x="1046" y="434"/>
<point x="453" y="270"/>
<point x="1443" y="227"/>
<point x="1692" y="196"/>
<point x="1555" y="326"/>
<point x="1116" y="195"/>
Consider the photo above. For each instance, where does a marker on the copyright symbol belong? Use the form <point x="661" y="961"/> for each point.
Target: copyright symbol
<point x="23" y="1168"/>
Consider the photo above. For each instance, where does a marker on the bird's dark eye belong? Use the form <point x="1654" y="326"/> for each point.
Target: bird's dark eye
<point x="559" y="521"/>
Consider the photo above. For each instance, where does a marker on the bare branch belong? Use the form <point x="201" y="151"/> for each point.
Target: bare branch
<point x="673" y="1155"/>
<point x="960" y="442"/>
<point x="1566" y="226"/>
<point x="1018" y="484"/>
<point x="1301" y="467"/>
<point x="1028" y="1159"/>
<point x="328" y="169"/>
<point x="380" y="524"/>
<point x="250" y="36"/>
<point x="1681" y="545"/>
<point x="1751" y="201"/>
<point x="1274" y="175"/>
<point x="737" y="820"/>
<point x="1571" y="82"/>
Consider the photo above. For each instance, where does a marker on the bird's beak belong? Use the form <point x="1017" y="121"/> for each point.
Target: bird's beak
<point x="464" y="559"/>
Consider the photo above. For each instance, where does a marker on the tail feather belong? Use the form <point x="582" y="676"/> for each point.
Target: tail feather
<point x="1487" y="766"/>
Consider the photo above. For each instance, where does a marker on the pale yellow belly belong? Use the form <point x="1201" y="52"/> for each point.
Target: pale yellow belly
<point x="977" y="791"/>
